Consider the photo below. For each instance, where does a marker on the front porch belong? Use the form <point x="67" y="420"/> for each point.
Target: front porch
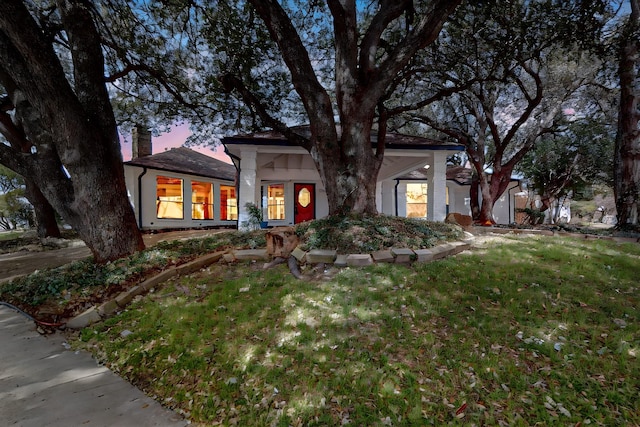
<point x="283" y="181"/>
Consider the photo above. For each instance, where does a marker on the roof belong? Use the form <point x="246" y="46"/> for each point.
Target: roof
<point x="460" y="174"/>
<point x="187" y="161"/>
<point x="392" y="141"/>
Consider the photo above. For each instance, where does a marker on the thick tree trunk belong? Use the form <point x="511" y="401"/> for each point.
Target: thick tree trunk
<point x="474" y="196"/>
<point x="76" y="160"/>
<point x="347" y="163"/>
<point x="485" y="215"/>
<point x="349" y="177"/>
<point x="627" y="149"/>
<point x="45" y="215"/>
<point x="491" y="190"/>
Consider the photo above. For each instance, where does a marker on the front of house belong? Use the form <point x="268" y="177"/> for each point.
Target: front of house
<point x="282" y="179"/>
<point x="181" y="188"/>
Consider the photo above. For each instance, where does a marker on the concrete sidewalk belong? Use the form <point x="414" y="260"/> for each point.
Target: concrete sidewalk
<point x="44" y="384"/>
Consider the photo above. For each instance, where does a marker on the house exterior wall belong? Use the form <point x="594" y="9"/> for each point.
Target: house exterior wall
<point x="261" y="166"/>
<point x="143" y="199"/>
<point x="459" y="200"/>
<point x="503" y="209"/>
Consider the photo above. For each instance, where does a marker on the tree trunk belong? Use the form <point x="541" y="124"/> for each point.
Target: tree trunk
<point x="627" y="149"/>
<point x="45" y="215"/>
<point x="350" y="172"/>
<point x="485" y="214"/>
<point x="76" y="160"/>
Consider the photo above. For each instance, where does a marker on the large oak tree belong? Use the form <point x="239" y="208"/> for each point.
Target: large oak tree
<point x="522" y="65"/>
<point x="370" y="44"/>
<point x="627" y="157"/>
<point x="52" y="69"/>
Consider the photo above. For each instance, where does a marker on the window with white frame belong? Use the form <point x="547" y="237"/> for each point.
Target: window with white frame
<point x="169" y="198"/>
<point x="201" y="200"/>
<point x="275" y="202"/>
<point x="417" y="200"/>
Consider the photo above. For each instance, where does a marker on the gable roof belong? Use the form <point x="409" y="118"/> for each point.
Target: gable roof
<point x="187" y="161"/>
<point x="459" y="174"/>
<point x="392" y="141"/>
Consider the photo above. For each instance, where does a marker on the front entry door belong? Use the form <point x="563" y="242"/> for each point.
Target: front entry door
<point x="305" y="206"/>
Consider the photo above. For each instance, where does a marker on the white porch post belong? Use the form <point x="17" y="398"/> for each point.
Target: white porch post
<point x="437" y="189"/>
<point x="388" y="197"/>
<point x="402" y="199"/>
<point x="247" y="186"/>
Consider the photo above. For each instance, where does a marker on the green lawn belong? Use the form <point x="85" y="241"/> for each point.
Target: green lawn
<point x="529" y="331"/>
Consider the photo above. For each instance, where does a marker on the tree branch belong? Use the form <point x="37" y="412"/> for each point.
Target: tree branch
<point x="388" y="11"/>
<point x="231" y="82"/>
<point x="314" y="97"/>
<point x="424" y="33"/>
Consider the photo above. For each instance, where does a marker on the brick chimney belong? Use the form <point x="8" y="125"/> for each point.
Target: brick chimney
<point x="141" y="142"/>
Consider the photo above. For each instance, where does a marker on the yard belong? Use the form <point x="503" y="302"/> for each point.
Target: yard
<point x="519" y="331"/>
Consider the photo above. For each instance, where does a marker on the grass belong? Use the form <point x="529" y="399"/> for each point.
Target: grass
<point x="61" y="292"/>
<point x="86" y="282"/>
<point x="532" y="331"/>
<point x="10" y="235"/>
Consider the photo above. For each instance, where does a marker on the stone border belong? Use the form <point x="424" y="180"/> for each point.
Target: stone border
<point x="315" y="256"/>
<point x="109" y="308"/>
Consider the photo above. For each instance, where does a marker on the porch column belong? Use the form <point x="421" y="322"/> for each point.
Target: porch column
<point x="437" y="189"/>
<point x="401" y="195"/>
<point x="388" y="197"/>
<point x="246" y="186"/>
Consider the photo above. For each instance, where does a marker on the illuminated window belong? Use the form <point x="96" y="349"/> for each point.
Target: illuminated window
<point x="201" y="200"/>
<point x="169" y="199"/>
<point x="275" y="201"/>
<point x="417" y="200"/>
<point x="228" y="203"/>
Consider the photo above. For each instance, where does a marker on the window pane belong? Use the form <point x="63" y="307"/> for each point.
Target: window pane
<point x="228" y="203"/>
<point x="169" y="199"/>
<point x="417" y="200"/>
<point x="201" y="200"/>
<point x="275" y="201"/>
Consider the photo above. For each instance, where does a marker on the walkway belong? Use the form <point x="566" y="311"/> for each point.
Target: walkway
<point x="42" y="384"/>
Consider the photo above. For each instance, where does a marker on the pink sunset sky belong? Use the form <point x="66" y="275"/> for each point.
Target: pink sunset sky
<point x="172" y="139"/>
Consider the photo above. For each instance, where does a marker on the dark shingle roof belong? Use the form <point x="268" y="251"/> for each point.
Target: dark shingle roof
<point x="184" y="160"/>
<point x="393" y="140"/>
<point x="459" y="174"/>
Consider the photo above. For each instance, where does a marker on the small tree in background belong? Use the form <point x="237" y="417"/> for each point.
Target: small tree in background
<point x="14" y="209"/>
<point x="563" y="165"/>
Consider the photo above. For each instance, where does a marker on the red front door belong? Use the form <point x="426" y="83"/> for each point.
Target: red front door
<point x="305" y="207"/>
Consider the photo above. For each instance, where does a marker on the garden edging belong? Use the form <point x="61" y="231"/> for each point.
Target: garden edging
<point x="314" y="256"/>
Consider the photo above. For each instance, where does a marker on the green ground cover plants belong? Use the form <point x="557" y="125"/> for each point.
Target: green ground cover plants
<point x="521" y="331"/>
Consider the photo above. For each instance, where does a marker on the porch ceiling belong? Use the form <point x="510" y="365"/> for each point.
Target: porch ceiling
<point x="395" y="166"/>
<point x="286" y="161"/>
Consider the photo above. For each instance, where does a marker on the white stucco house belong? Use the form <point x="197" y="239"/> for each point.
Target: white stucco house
<point x="179" y="188"/>
<point x="504" y="209"/>
<point x="281" y="177"/>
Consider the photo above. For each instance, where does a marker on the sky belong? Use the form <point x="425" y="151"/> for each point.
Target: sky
<point x="172" y="139"/>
